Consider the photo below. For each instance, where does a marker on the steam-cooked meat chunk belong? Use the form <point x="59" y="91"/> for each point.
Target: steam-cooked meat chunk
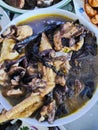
<point x="67" y="31"/>
<point x="24" y="32"/>
<point x="3" y="76"/>
<point x="16" y="3"/>
<point x="62" y="63"/>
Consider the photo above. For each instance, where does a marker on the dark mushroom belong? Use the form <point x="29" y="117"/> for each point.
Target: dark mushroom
<point x="16" y="74"/>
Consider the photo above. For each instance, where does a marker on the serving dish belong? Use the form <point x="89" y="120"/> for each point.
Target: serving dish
<point x="4" y="19"/>
<point x="16" y="10"/>
<point x="90" y="103"/>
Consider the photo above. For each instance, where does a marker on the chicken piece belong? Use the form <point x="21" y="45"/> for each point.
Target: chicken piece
<point x="62" y="63"/>
<point x="75" y="47"/>
<point x="44" y="3"/>
<point x="7" y="50"/>
<point x="47" y="73"/>
<point x="89" y="10"/>
<point x="23" y="32"/>
<point x="3" y="76"/>
<point x="22" y="109"/>
<point x="71" y="31"/>
<point x="57" y="36"/>
<point x="49" y="78"/>
<point x="57" y="41"/>
<point x="48" y="112"/>
<point x="45" y="44"/>
<point x="93" y="3"/>
<point x="1" y="39"/>
<point x="94" y="20"/>
<point x="10" y="31"/>
<point x="16" y="3"/>
<point x="67" y="31"/>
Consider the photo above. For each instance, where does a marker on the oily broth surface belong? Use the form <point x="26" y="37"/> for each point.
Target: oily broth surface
<point x="37" y="23"/>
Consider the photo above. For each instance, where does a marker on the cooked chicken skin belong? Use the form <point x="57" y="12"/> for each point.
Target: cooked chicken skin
<point x="48" y="74"/>
<point x="21" y="34"/>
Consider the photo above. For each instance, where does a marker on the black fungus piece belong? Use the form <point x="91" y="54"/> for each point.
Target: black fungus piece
<point x="9" y="126"/>
<point x="59" y="94"/>
<point x="48" y="98"/>
<point x="8" y="64"/>
<point x="70" y="82"/>
<point x="54" y="128"/>
<point x="65" y="42"/>
<point x="16" y="73"/>
<point x="23" y="62"/>
<point x="88" y="90"/>
<point x="47" y="55"/>
<point x="4" y="125"/>
<point x="59" y="73"/>
<point x="32" y="51"/>
<point x="89" y="48"/>
<point x="30" y="4"/>
<point x="76" y="21"/>
<point x="56" y="1"/>
<point x="61" y="110"/>
<point x="50" y="33"/>
<point x="15" y="126"/>
<point x="28" y="78"/>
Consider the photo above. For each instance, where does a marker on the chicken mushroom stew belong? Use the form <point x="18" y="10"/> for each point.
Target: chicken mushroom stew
<point x="46" y="67"/>
<point x="31" y="4"/>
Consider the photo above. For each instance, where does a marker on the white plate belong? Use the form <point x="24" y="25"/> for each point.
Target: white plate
<point x="13" y="9"/>
<point x="4" y="19"/>
<point x="91" y="102"/>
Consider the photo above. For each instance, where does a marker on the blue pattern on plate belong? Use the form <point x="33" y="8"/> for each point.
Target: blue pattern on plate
<point x="81" y="10"/>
